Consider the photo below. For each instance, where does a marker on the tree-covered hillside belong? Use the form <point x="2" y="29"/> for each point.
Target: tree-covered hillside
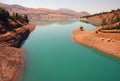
<point x="10" y="22"/>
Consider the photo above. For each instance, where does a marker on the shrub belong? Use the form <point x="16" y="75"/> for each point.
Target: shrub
<point x="3" y="14"/>
<point x="104" y="22"/>
<point x="81" y="28"/>
<point x="18" y="17"/>
<point x="26" y="18"/>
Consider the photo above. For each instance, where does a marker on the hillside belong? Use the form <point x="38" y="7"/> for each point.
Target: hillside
<point x="14" y="29"/>
<point x="11" y="22"/>
<point x="43" y="13"/>
<point x="108" y="22"/>
<point x="106" y="36"/>
<point x="103" y="18"/>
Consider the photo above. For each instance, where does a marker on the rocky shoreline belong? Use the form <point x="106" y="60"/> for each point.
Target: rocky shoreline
<point x="105" y="42"/>
<point x="11" y="56"/>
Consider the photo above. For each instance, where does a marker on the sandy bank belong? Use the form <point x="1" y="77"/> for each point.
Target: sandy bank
<point x="105" y="42"/>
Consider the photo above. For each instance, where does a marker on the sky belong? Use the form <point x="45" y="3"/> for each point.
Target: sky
<point x="91" y="6"/>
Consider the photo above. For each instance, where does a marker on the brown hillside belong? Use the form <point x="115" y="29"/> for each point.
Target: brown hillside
<point x="98" y="18"/>
<point x="43" y="13"/>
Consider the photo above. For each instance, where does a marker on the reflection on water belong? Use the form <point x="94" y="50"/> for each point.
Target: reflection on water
<point x="41" y="22"/>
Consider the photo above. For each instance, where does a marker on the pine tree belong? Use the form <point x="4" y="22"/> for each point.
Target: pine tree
<point x="3" y="14"/>
<point x="104" y="22"/>
<point x="26" y="18"/>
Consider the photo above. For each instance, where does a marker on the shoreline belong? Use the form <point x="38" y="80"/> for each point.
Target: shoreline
<point x="12" y="58"/>
<point x="15" y="76"/>
<point x="101" y="42"/>
<point x="31" y="28"/>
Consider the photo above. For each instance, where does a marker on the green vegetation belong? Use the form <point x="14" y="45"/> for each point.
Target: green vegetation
<point x="112" y="11"/>
<point x="9" y="23"/>
<point x="108" y="20"/>
<point x="3" y="14"/>
<point x="18" y="17"/>
<point x="104" y="22"/>
<point x="81" y="28"/>
<point x="111" y="21"/>
<point x="26" y="18"/>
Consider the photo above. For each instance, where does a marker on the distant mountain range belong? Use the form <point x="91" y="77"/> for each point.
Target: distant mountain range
<point x="43" y="13"/>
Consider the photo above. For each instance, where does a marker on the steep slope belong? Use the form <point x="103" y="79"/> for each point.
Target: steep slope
<point x="102" y="18"/>
<point x="13" y="31"/>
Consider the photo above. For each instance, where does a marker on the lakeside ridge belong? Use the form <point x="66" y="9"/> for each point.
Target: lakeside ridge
<point x="102" y="18"/>
<point x="12" y="58"/>
<point x="13" y="31"/>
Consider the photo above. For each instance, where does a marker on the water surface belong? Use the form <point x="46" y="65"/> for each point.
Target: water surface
<point x="51" y="55"/>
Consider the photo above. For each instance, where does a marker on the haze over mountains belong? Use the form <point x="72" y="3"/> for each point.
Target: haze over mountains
<point x="43" y="13"/>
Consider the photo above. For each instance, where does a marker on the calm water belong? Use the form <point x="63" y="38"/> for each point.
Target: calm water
<point x="51" y="55"/>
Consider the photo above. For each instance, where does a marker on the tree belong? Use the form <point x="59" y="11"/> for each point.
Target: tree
<point x="26" y="18"/>
<point x="118" y="9"/>
<point x="3" y="14"/>
<point x="117" y="19"/>
<point x="18" y="17"/>
<point x="112" y="10"/>
<point x="81" y="28"/>
<point x="104" y="22"/>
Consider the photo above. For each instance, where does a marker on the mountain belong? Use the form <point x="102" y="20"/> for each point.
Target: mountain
<point x="72" y="12"/>
<point x="75" y="13"/>
<point x="43" y="13"/>
<point x="83" y="13"/>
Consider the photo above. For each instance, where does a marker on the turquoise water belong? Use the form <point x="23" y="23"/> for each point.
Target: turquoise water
<point x="51" y="55"/>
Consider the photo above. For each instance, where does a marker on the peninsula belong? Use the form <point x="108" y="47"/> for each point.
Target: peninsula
<point x="106" y="36"/>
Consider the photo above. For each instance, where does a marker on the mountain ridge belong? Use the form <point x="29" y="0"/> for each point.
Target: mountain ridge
<point x="103" y="18"/>
<point x="43" y="13"/>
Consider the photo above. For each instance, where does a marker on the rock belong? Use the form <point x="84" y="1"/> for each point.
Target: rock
<point x="11" y="63"/>
<point x="12" y="58"/>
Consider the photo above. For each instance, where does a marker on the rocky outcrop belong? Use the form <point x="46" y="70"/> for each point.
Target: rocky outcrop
<point x="11" y="58"/>
<point x="11" y="63"/>
<point x="14" y="39"/>
<point x="13" y="31"/>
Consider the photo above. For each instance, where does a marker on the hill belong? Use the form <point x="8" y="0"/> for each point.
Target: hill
<point x="14" y="29"/>
<point x="103" y="18"/>
<point x="43" y="13"/>
<point x="106" y="36"/>
<point x="10" y="22"/>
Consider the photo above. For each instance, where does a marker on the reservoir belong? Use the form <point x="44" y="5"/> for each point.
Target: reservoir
<point x="52" y="55"/>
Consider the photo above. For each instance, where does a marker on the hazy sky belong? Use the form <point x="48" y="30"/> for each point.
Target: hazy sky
<point x="91" y="6"/>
